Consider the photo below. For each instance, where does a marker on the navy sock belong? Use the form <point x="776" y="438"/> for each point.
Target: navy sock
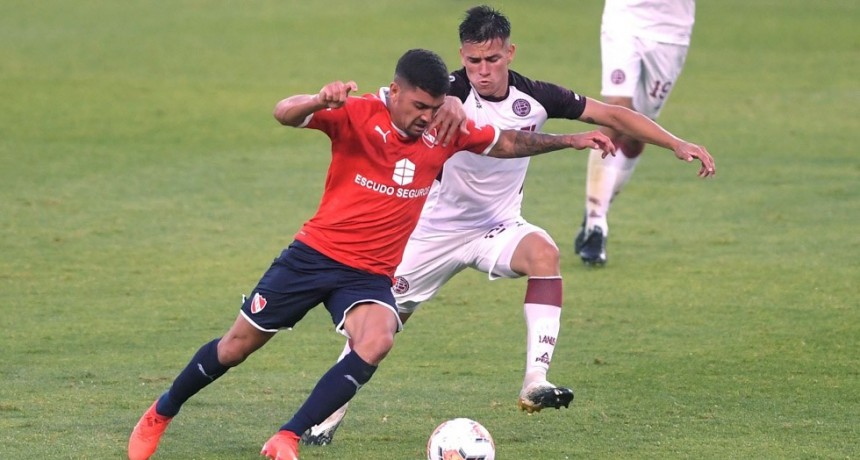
<point x="202" y="370"/>
<point x="334" y="389"/>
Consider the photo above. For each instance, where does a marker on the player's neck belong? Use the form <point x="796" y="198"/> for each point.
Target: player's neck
<point x="493" y="98"/>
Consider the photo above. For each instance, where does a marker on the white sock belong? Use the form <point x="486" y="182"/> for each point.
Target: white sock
<point x="542" y="322"/>
<point x="346" y="350"/>
<point x="606" y="177"/>
<point x="625" y="172"/>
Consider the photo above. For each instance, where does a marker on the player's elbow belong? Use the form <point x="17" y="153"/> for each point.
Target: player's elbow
<point x="280" y="114"/>
<point x="500" y="152"/>
<point x="505" y="146"/>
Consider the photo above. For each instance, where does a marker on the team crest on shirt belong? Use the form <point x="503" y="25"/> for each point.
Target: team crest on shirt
<point x="429" y="138"/>
<point x="617" y="77"/>
<point x="521" y="107"/>
<point x="258" y="303"/>
<point x="400" y="285"/>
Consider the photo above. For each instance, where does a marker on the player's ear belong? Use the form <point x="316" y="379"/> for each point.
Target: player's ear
<point x="462" y="57"/>
<point x="512" y="50"/>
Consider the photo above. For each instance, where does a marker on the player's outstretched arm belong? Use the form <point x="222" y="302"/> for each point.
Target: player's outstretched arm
<point x="293" y="110"/>
<point x="642" y="128"/>
<point x="514" y="143"/>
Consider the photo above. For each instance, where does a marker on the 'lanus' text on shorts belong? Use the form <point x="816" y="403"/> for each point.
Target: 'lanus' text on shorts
<point x="391" y="190"/>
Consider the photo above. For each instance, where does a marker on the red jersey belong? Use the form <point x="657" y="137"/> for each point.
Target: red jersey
<point x="377" y="183"/>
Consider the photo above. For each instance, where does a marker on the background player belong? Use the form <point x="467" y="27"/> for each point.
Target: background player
<point x="472" y="218"/>
<point x="383" y="164"/>
<point x="643" y="46"/>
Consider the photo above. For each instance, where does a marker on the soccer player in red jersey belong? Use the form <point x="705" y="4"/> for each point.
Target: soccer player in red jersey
<point x="384" y="160"/>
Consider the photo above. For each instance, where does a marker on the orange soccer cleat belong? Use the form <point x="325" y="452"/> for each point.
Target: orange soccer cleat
<point x="146" y="434"/>
<point x="284" y="445"/>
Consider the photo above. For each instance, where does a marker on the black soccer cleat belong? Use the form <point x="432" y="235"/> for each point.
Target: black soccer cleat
<point x="580" y="238"/>
<point x="593" y="250"/>
<point x="540" y="395"/>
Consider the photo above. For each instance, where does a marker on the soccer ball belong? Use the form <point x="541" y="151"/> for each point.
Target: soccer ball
<point x="461" y="439"/>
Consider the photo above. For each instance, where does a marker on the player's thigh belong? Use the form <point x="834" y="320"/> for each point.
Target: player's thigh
<point x="621" y="64"/>
<point x="662" y="64"/>
<point x="357" y="289"/>
<point x="430" y="260"/>
<point x="493" y="253"/>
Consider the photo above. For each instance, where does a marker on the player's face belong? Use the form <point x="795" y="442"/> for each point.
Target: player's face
<point x="487" y="65"/>
<point x="412" y="108"/>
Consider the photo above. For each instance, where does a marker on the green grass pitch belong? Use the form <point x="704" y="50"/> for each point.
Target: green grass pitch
<point x="144" y="186"/>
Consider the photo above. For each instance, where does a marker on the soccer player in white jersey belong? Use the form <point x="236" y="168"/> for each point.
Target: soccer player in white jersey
<point x="472" y="217"/>
<point x="643" y="47"/>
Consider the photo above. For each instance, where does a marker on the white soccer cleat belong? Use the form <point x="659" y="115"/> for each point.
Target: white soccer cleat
<point x="322" y="434"/>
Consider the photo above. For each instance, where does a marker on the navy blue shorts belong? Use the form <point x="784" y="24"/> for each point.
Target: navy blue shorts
<point x="301" y="278"/>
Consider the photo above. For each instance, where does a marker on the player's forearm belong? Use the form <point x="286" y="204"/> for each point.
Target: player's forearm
<point x="517" y="144"/>
<point x="642" y="128"/>
<point x="293" y="110"/>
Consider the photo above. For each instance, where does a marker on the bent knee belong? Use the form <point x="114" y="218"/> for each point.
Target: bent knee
<point x="630" y="147"/>
<point x="543" y="260"/>
<point x="373" y="349"/>
<point x="548" y="254"/>
<point x="232" y="353"/>
<point x="536" y="255"/>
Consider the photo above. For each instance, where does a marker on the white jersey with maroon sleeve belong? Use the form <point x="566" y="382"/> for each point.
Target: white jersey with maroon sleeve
<point x="665" y="21"/>
<point x="377" y="183"/>
<point x="477" y="191"/>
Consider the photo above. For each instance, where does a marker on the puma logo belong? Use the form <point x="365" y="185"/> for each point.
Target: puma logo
<point x="382" y="133"/>
<point x="203" y="371"/>
<point x="351" y="378"/>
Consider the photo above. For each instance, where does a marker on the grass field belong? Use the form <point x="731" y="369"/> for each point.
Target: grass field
<point x="144" y="186"/>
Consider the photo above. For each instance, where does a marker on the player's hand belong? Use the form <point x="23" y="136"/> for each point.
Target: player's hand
<point x="449" y="120"/>
<point x="593" y="140"/>
<point x="335" y="94"/>
<point x="688" y="152"/>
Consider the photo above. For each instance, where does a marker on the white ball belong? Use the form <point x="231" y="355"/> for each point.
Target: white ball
<point x="461" y="439"/>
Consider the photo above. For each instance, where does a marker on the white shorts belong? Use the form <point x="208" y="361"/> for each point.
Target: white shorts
<point x="639" y="68"/>
<point x="433" y="258"/>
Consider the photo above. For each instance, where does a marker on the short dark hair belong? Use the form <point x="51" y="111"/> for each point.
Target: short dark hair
<point x="425" y="70"/>
<point x="483" y="24"/>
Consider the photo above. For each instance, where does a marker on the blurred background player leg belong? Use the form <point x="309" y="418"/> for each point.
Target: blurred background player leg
<point x="643" y="49"/>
